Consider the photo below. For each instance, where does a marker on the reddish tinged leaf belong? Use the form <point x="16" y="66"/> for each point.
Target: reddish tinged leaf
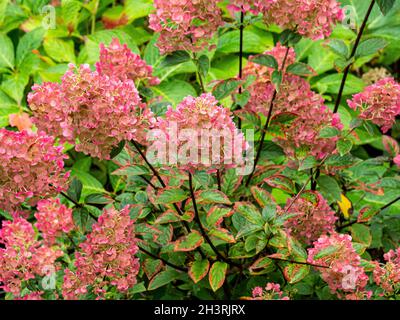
<point x="391" y="146"/>
<point x="212" y="196"/>
<point x="281" y="182"/>
<point x="250" y="212"/>
<point x="188" y="216"/>
<point x="262" y="196"/>
<point x="216" y="214"/>
<point x="198" y="270"/>
<point x="222" y="234"/>
<point x="262" y="265"/>
<point x="152" y="267"/>
<point x="295" y="272"/>
<point x="189" y="242"/>
<point x="168" y="216"/>
<point x="171" y="195"/>
<point x="366" y="214"/>
<point x="217" y="275"/>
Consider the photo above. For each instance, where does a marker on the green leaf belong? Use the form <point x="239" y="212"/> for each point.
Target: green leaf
<point x="262" y="266"/>
<point x="98" y="198"/>
<point x="339" y="47"/>
<point x="299" y="69"/>
<point x="217" y="275"/>
<point x="212" y="196"/>
<point x="344" y="146"/>
<point x="175" y="58"/>
<point x="329" y="132"/>
<point x="385" y="5"/>
<point x="361" y="233"/>
<point x="75" y="190"/>
<point x="331" y="84"/>
<point x="189" y="242"/>
<point x="266" y="60"/>
<point x="161" y="279"/>
<point x="3" y="7"/>
<point x="261" y="196"/>
<point x="81" y="217"/>
<point x="90" y="183"/>
<point x="14" y="85"/>
<point x="329" y="187"/>
<point x="135" y="9"/>
<point x="222" y="234"/>
<point x="216" y="213"/>
<point x="132" y="170"/>
<point x="370" y="46"/>
<point x="174" y="91"/>
<point x="171" y="195"/>
<point x="277" y="79"/>
<point x="199" y="269"/>
<point x="249" y="212"/>
<point x="203" y="64"/>
<point x="328" y="251"/>
<point x="6" y="52"/>
<point x="29" y="41"/>
<point x="60" y="50"/>
<point x="225" y="88"/>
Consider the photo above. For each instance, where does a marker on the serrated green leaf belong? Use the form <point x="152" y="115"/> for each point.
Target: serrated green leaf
<point x="199" y="269"/>
<point x="217" y="275"/>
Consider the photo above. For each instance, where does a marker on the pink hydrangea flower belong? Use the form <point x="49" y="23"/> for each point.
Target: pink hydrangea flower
<point x="314" y="218"/>
<point x="198" y="135"/>
<point x="379" y="103"/>
<point x="185" y="24"/>
<point x="311" y="18"/>
<point x="396" y="160"/>
<point x="253" y="6"/>
<point x="118" y="60"/>
<point x="91" y="110"/>
<point x="301" y="137"/>
<point x="53" y="219"/>
<point x="22" y="256"/>
<point x="344" y="274"/>
<point x="107" y="257"/>
<point x="272" y="291"/>
<point x="387" y="276"/>
<point x="31" y="167"/>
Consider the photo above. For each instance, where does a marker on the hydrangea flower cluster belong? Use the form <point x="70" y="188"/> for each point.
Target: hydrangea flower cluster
<point x="311" y="18"/>
<point x="185" y="24"/>
<point x="379" y="103"/>
<point x="272" y="291"/>
<point x="344" y="273"/>
<point x="23" y="257"/>
<point x="31" y="167"/>
<point x="53" y="219"/>
<point x="118" y="60"/>
<point x="253" y="6"/>
<point x="107" y="257"/>
<point x="387" y="276"/>
<point x="91" y="110"/>
<point x="301" y="136"/>
<point x="203" y="135"/>
<point x="314" y="218"/>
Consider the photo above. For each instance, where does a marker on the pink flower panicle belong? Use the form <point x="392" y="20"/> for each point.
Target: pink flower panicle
<point x="387" y="276"/>
<point x="203" y="124"/>
<point x="379" y="103"/>
<point x="272" y="291"/>
<point x="314" y="218"/>
<point x="185" y="24"/>
<point x="345" y="274"/>
<point x="310" y="18"/>
<point x="107" y="257"/>
<point x="31" y="167"/>
<point x="91" y="110"/>
<point x="53" y="219"/>
<point x="23" y="256"/>
<point x="253" y="6"/>
<point x="118" y="60"/>
<point x="301" y="136"/>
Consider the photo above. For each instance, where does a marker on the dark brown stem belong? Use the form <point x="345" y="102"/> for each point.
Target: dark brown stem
<point x="265" y="129"/>
<point x="163" y="260"/>
<point x="201" y="227"/>
<point x="299" y="262"/>
<point x="353" y="53"/>
<point x="219" y="179"/>
<point x="203" y="88"/>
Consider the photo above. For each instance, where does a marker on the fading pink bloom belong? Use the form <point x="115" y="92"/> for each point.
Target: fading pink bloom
<point x="310" y="18"/>
<point x="53" y="219"/>
<point x="107" y="257"/>
<point x="379" y="103"/>
<point x="344" y="274"/>
<point x="185" y="24"/>
<point x="23" y="256"/>
<point x="118" y="60"/>
<point x="396" y="160"/>
<point x="31" y="167"/>
<point x="253" y="6"/>
<point x="31" y="296"/>
<point x="301" y="136"/>
<point x="314" y="218"/>
<point x="272" y="291"/>
<point x="203" y="135"/>
<point x="91" y="110"/>
<point x="387" y="276"/>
